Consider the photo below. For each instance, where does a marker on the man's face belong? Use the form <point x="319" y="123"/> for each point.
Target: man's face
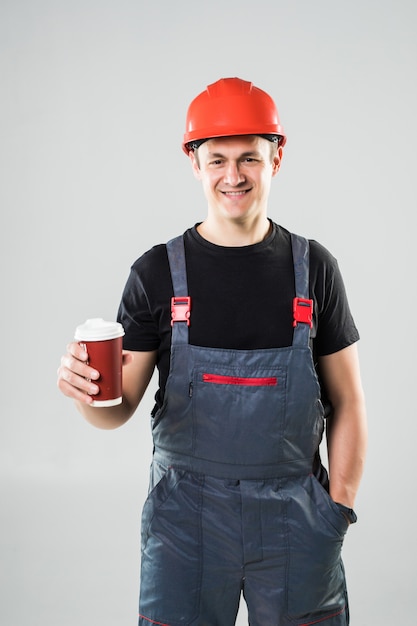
<point x="236" y="174"/>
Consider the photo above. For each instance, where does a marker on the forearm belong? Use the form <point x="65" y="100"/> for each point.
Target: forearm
<point x="346" y="444"/>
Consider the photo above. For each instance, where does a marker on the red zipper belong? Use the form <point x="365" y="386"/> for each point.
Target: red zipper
<point x="239" y="380"/>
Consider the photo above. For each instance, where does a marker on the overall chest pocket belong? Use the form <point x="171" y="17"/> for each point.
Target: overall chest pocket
<point x="238" y="413"/>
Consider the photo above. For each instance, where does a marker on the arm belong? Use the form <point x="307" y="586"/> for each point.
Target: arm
<point x="73" y="376"/>
<point x="346" y="428"/>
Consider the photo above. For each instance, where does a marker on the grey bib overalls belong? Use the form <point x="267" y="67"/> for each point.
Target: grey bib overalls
<point x="233" y="505"/>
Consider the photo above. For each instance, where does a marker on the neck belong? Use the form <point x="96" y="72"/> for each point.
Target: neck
<point x="232" y="234"/>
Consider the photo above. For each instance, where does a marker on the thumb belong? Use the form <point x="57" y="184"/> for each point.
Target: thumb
<point x="127" y="358"/>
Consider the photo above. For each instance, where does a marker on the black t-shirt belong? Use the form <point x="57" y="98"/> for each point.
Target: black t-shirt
<point x="241" y="298"/>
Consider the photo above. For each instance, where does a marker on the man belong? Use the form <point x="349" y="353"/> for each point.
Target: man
<point x="252" y="335"/>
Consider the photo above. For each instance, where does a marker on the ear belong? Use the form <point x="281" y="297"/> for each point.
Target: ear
<point x="276" y="162"/>
<point x="194" y="164"/>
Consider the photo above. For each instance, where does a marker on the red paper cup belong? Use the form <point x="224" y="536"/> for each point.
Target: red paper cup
<point x="103" y="342"/>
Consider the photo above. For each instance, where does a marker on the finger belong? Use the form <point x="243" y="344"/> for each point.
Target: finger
<point x="72" y="392"/>
<point x="78" y="350"/>
<point x="79" y="365"/>
<point x="72" y="384"/>
<point x="127" y="358"/>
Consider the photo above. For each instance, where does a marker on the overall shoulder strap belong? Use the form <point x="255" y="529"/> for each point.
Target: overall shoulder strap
<point x="180" y="304"/>
<point x="303" y="306"/>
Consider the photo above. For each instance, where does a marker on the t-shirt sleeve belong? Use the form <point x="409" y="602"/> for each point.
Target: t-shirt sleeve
<point x="138" y="312"/>
<point x="336" y="328"/>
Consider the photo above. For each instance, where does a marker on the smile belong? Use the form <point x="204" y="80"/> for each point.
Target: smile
<point x="241" y="192"/>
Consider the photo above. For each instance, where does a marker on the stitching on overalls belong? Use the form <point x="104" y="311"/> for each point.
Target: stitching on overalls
<point x="324" y="619"/>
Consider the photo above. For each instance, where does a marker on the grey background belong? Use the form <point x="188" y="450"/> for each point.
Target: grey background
<point x="92" y="108"/>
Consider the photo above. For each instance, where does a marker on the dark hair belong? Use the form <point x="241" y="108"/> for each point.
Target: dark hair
<point x="273" y="138"/>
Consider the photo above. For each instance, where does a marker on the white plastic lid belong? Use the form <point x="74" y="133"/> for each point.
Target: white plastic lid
<point x="97" y="329"/>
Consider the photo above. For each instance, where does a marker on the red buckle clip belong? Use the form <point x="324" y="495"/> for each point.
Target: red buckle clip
<point x="303" y="311"/>
<point x="180" y="309"/>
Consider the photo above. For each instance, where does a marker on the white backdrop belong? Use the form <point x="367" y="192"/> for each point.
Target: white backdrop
<point x="92" y="109"/>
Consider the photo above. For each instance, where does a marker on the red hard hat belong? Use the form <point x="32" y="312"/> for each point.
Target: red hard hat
<point x="231" y="106"/>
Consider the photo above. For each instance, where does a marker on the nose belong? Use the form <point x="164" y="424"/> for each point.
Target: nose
<point x="233" y="176"/>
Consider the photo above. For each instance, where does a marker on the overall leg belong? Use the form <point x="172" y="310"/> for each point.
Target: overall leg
<point x="222" y="553"/>
<point x="265" y="567"/>
<point x="191" y="572"/>
<point x="300" y="579"/>
<point x="171" y="560"/>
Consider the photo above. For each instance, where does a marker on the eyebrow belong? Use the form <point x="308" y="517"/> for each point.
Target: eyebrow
<point x="212" y="155"/>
